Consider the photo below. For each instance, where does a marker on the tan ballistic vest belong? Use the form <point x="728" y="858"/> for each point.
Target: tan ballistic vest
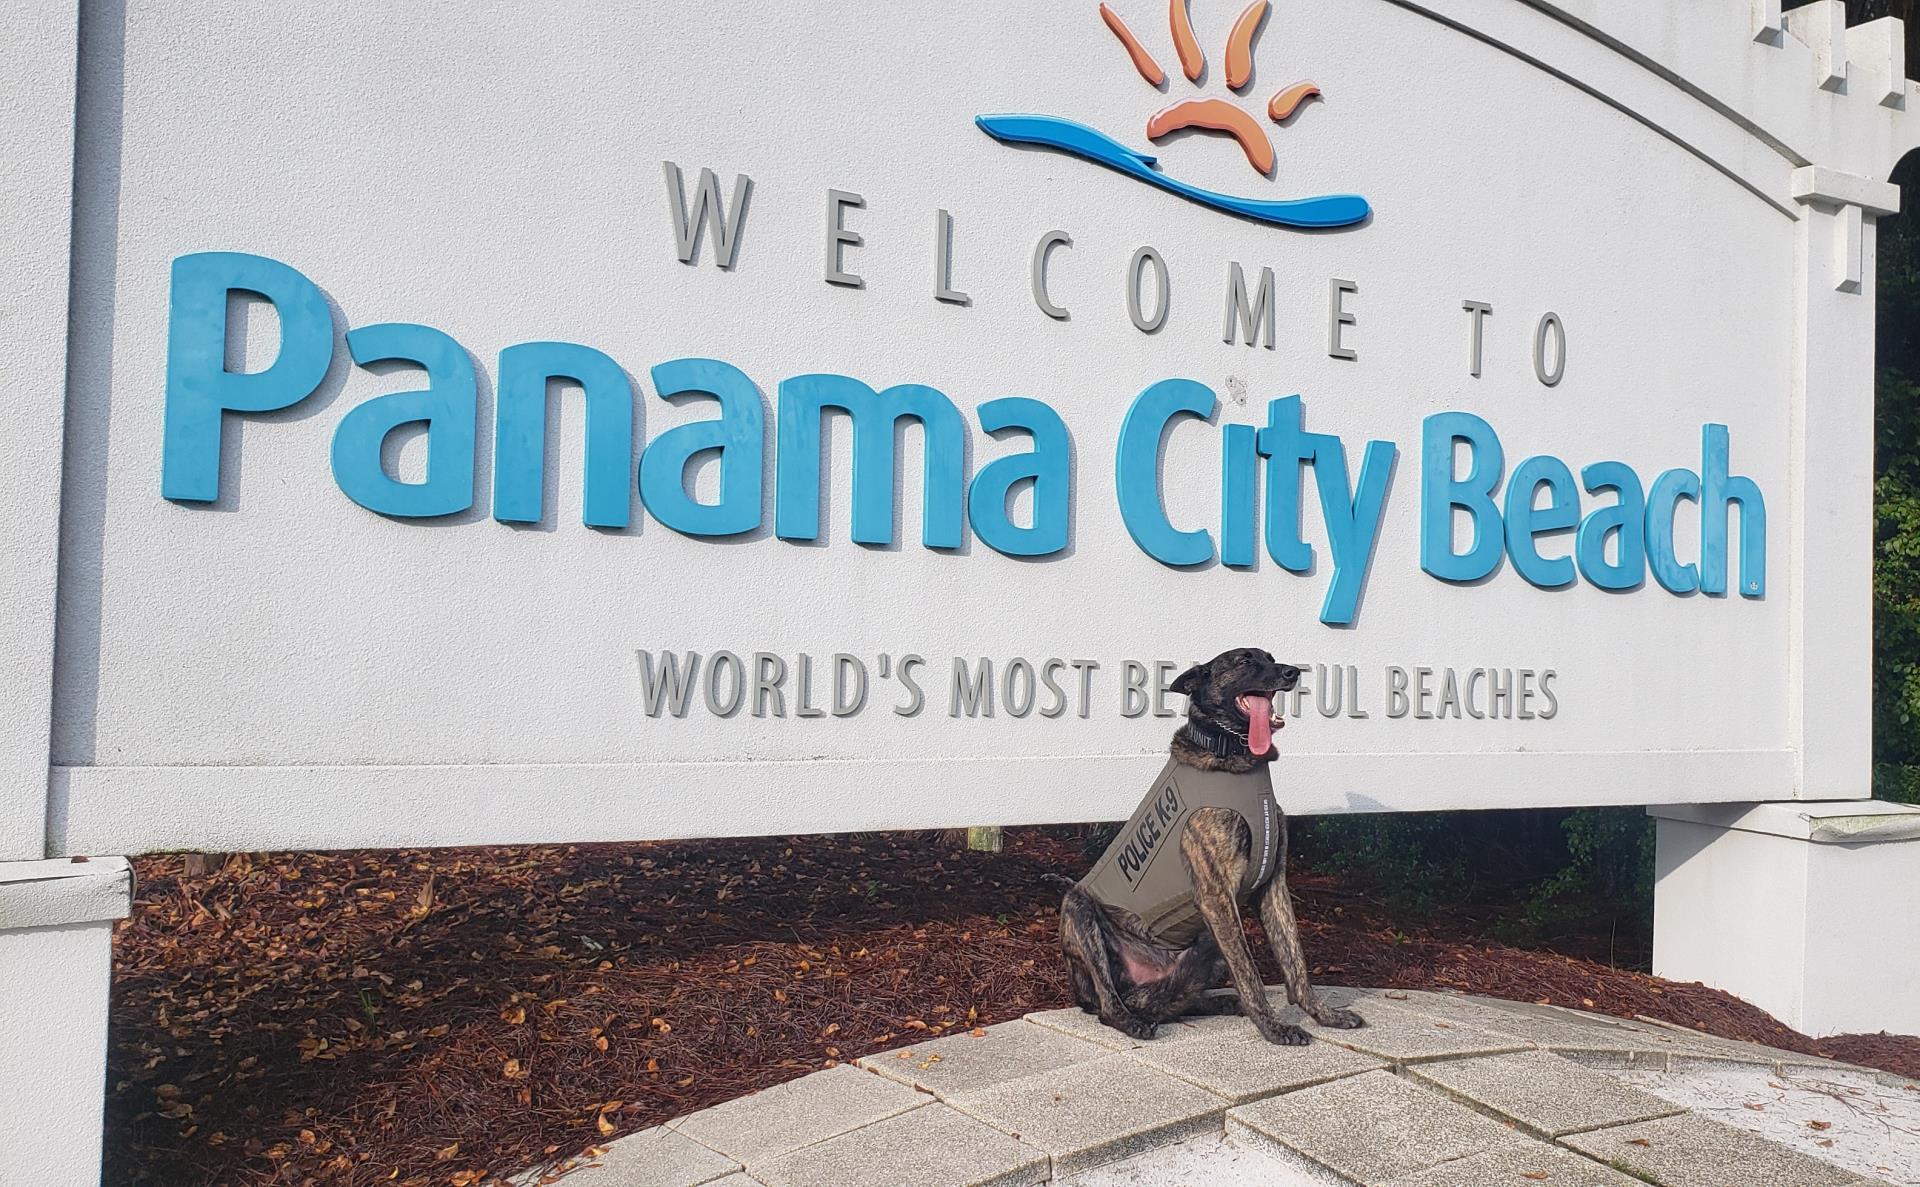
<point x="1142" y="872"/>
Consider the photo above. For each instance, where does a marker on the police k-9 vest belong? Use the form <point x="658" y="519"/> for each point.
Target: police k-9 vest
<point x="1142" y="871"/>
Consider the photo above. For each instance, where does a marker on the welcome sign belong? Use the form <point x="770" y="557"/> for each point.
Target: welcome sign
<point x="555" y="439"/>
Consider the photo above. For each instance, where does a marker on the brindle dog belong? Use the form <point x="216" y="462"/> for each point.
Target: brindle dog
<point x="1118" y="972"/>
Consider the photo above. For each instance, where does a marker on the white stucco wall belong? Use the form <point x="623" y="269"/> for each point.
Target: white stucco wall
<point x="285" y="667"/>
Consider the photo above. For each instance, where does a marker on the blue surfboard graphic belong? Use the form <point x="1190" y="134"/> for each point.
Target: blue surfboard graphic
<point x="1075" y="139"/>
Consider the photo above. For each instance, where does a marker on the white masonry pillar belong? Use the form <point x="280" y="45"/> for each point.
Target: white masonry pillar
<point x="56" y="941"/>
<point x="56" y="917"/>
<point x="1810" y="911"/>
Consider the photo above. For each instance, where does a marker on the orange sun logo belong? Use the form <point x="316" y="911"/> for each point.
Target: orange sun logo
<point x="1208" y="115"/>
<point x="1213" y="115"/>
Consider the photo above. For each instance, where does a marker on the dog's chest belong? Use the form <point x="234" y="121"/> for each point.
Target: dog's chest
<point x="1142" y="872"/>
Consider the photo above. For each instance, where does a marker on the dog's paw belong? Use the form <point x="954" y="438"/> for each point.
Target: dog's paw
<point x="1338" y="1019"/>
<point x="1286" y="1034"/>
<point x="1133" y="1026"/>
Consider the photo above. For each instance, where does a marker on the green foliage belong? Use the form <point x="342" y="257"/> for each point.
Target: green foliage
<point x="1896" y="498"/>
<point x="1414" y="860"/>
<point x="1608" y="878"/>
<point x="1545" y="874"/>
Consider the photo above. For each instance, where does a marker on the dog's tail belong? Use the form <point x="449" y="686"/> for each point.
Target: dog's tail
<point x="1064" y="882"/>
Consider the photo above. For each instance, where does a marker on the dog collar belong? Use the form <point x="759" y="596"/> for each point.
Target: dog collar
<point x="1216" y="744"/>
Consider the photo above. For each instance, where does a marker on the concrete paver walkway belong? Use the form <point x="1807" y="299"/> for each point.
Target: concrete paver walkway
<point x="1436" y="1091"/>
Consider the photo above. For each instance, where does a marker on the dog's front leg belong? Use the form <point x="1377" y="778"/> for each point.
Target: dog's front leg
<point x="1283" y="936"/>
<point x="1211" y="847"/>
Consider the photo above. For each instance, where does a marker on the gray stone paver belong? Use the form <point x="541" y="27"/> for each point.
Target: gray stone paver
<point x="1244" y="1067"/>
<point x="1081" y="1025"/>
<point x="1847" y="1118"/>
<point x="1690" y="1151"/>
<point x="1089" y="1113"/>
<point x="1396" y="1033"/>
<point x="1438" y="1090"/>
<point x="1589" y="1038"/>
<point x="1519" y="1165"/>
<point x="659" y="1157"/>
<point x="963" y="1062"/>
<point x="1546" y="1093"/>
<point x="1733" y="1050"/>
<point x="927" y="1147"/>
<point x="798" y="1113"/>
<point x="1370" y="1128"/>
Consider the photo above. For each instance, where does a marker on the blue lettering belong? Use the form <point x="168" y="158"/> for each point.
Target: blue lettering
<point x="804" y="399"/>
<point x="1046" y="467"/>
<point x="1526" y="521"/>
<point x="1239" y="461"/>
<point x="446" y="407"/>
<point x="1287" y="449"/>
<point x="1353" y="520"/>
<point x="520" y="431"/>
<point x="199" y="386"/>
<point x="1668" y="490"/>
<point x="1137" y="471"/>
<point x="1718" y="491"/>
<point x="738" y="436"/>
<point x="1441" y="495"/>
<point x="1627" y="517"/>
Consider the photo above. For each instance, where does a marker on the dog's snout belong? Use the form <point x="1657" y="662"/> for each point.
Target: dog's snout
<point x="1289" y="674"/>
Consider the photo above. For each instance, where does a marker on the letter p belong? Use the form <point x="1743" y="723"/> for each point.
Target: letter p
<point x="199" y="386"/>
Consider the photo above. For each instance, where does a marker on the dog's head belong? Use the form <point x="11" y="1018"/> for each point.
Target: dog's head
<point x="1236" y="692"/>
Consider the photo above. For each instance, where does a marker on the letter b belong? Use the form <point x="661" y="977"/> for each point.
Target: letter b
<point x="199" y="386"/>
<point x="1441" y="494"/>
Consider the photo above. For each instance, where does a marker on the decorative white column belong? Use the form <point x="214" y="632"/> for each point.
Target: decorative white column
<point x="1830" y="525"/>
<point x="1810" y="911"/>
<point x="56" y="941"/>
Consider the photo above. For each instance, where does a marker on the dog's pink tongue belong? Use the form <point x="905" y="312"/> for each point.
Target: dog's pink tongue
<point x="1259" y="724"/>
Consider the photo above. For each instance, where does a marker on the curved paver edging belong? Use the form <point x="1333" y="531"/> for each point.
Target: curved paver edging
<point x="1438" y="1090"/>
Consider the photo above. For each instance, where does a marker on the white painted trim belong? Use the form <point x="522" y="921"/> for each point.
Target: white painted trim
<point x="1879" y="53"/>
<point x="1848" y="822"/>
<point x="1822" y="27"/>
<point x="1584" y="57"/>
<point x="62" y="891"/>
<point x="1737" y="59"/>
<point x="135" y="809"/>
<point x="1816" y="183"/>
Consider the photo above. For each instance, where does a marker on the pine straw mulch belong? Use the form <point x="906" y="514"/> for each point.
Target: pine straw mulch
<point x="449" y="1017"/>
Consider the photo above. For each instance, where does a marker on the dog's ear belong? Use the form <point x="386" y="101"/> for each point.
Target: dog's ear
<point x="1187" y="681"/>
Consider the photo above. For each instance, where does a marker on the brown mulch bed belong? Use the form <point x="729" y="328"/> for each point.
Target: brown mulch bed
<point x="450" y="1016"/>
